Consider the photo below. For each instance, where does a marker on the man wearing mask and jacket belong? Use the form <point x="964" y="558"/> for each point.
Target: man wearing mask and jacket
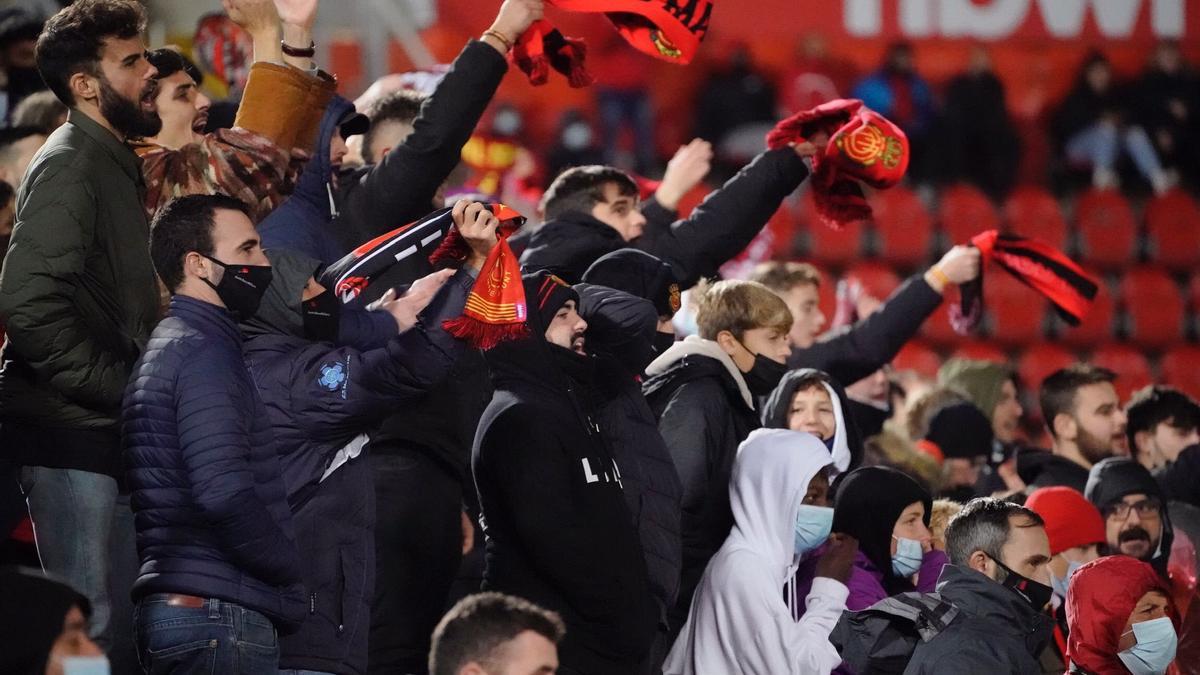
<point x="704" y="391"/>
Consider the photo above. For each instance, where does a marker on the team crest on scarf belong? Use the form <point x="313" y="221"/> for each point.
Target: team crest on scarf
<point x="868" y="144"/>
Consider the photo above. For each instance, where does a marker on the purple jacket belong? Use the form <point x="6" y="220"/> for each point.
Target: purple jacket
<point x="866" y="582"/>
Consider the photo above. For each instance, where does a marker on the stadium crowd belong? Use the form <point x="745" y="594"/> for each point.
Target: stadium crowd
<point x="287" y="380"/>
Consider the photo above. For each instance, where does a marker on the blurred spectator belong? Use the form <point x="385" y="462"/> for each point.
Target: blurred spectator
<point x="574" y="144"/>
<point x="980" y="142"/>
<point x="623" y="99"/>
<point x="815" y="77"/>
<point x="1167" y="106"/>
<point x="224" y="50"/>
<point x="1094" y="127"/>
<point x="41" y="110"/>
<point x="493" y="151"/>
<point x="1085" y="420"/>
<point x="1121" y="619"/>
<point x="735" y="109"/>
<point x="494" y="634"/>
<point x="392" y="117"/>
<point x="44" y="627"/>
<point x="8" y="201"/>
<point x="18" y="145"/>
<point x="992" y="388"/>
<point x="960" y="438"/>
<point x="19" y="76"/>
<point x="1162" y="422"/>
<point x="900" y="94"/>
<point x="943" y="512"/>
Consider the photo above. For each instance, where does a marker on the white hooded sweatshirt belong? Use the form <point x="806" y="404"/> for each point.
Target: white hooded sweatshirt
<point x="739" y="622"/>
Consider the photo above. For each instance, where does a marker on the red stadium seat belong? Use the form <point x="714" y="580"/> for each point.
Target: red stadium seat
<point x="937" y="328"/>
<point x="1031" y="211"/>
<point x="978" y="350"/>
<point x="965" y="212"/>
<point x="1154" y="305"/>
<point x="1015" y="313"/>
<point x="1039" y="361"/>
<point x="918" y="357"/>
<point x="877" y="279"/>
<point x="904" y="226"/>
<point x="835" y="247"/>
<point x="1193" y="293"/>
<point x="1131" y="366"/>
<point x="1097" y="326"/>
<point x="1181" y="368"/>
<point x="1173" y="226"/>
<point x="1107" y="229"/>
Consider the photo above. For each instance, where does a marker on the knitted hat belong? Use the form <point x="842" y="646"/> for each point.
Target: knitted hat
<point x="1071" y="520"/>
<point x="981" y="381"/>
<point x="639" y="274"/>
<point x="32" y="610"/>
<point x="961" y="431"/>
<point x="545" y="294"/>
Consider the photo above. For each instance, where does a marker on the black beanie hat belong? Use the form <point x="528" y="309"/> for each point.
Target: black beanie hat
<point x="639" y="274"/>
<point x="32" y="610"/>
<point x="961" y="431"/>
<point x="545" y="294"/>
<point x="867" y="504"/>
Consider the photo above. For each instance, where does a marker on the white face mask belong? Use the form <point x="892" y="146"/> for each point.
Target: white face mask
<point x="85" y="665"/>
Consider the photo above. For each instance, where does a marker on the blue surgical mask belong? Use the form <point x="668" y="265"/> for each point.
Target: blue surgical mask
<point x="907" y="560"/>
<point x="1155" y="648"/>
<point x="813" y="525"/>
<point x="1060" y="585"/>
<point x="85" y="665"/>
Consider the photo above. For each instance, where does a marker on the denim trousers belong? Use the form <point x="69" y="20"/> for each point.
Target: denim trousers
<point x="72" y="513"/>
<point x="219" y="637"/>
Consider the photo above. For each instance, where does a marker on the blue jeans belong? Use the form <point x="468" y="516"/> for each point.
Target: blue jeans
<point x="72" y="513"/>
<point x="220" y="637"/>
<point x="1099" y="145"/>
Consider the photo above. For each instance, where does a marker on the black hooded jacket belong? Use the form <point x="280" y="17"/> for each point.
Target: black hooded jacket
<point x="1110" y="480"/>
<point x="716" y="231"/>
<point x="778" y="407"/>
<point x="704" y="412"/>
<point x="1041" y="468"/>
<point x="558" y="530"/>
<point x="622" y="326"/>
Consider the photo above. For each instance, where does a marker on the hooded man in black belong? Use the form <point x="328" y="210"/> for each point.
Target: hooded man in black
<point x="557" y="527"/>
<point x="1136" y="522"/>
<point x="627" y="297"/>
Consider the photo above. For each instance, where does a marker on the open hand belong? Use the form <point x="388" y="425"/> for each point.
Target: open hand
<point x="686" y="169"/>
<point x="407" y="308"/>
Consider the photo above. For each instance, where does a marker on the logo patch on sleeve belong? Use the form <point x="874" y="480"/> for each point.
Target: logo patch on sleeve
<point x="333" y="375"/>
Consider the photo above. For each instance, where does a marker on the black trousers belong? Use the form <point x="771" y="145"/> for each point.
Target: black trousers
<point x="418" y="548"/>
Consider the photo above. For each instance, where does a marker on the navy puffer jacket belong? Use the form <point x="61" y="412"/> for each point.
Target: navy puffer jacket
<point x="209" y="502"/>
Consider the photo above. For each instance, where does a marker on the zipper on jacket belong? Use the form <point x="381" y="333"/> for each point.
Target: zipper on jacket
<point x="312" y="603"/>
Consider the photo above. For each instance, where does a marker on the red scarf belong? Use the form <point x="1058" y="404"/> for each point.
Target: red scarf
<point x="495" y="309"/>
<point x="1036" y="264"/>
<point x="667" y="29"/>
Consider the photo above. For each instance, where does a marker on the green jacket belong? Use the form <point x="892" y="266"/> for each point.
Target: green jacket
<point x="78" y="293"/>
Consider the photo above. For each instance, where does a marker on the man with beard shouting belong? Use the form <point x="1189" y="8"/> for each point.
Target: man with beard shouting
<point x="1085" y="419"/>
<point x="78" y="294"/>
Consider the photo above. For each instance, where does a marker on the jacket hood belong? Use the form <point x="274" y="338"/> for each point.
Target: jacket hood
<point x="694" y="345"/>
<point x="867" y="504"/>
<point x="847" y="440"/>
<point x="981" y="381"/>
<point x="620" y="325"/>
<point x="770" y="477"/>
<point x="998" y="607"/>
<point x="314" y="184"/>
<point x="1112" y="479"/>
<point x="1043" y="468"/>
<point x="1103" y="594"/>
<point x="279" y="312"/>
<point x="568" y="245"/>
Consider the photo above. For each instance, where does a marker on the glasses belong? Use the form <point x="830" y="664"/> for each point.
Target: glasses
<point x="1144" y="508"/>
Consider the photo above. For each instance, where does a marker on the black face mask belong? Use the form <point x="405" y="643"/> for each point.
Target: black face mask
<point x="663" y="341"/>
<point x="321" y="316"/>
<point x="1036" y="594"/>
<point x="241" y="287"/>
<point x="765" y="375"/>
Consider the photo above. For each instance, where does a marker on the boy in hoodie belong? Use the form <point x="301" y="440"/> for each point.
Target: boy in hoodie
<point x="809" y="400"/>
<point x="703" y="391"/>
<point x="558" y="531"/>
<point x="739" y="621"/>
